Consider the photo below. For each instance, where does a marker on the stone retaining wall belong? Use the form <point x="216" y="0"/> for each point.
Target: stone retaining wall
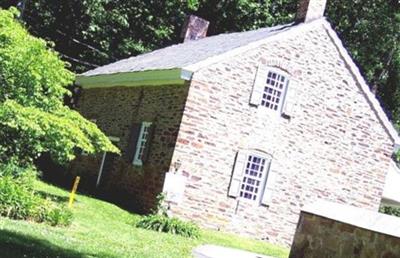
<point x="323" y="232"/>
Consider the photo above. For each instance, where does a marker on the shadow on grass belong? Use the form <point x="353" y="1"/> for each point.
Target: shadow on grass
<point x="53" y="197"/>
<point x="16" y="245"/>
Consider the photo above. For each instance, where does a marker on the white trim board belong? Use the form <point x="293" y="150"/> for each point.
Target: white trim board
<point x="129" y="79"/>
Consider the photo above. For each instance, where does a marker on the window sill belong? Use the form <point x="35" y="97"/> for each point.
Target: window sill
<point x="263" y="112"/>
<point x="137" y="163"/>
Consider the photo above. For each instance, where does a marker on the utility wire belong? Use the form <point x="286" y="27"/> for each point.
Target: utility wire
<point x="77" y="42"/>
<point x="78" y="61"/>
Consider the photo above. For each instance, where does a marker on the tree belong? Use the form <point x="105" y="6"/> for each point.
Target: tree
<point x="33" y="118"/>
<point x="371" y="31"/>
<point x="95" y="32"/>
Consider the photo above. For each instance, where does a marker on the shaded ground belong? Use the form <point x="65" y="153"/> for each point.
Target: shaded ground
<point x="101" y="229"/>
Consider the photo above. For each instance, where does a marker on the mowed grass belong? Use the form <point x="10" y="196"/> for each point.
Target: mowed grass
<point x="101" y="229"/>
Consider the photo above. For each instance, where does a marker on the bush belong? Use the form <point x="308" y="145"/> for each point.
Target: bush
<point x="18" y="199"/>
<point x="389" y="210"/>
<point x="51" y="213"/>
<point x="162" y="223"/>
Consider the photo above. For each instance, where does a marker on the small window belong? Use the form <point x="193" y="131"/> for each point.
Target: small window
<point x="253" y="178"/>
<point x="274" y="91"/>
<point x="141" y="143"/>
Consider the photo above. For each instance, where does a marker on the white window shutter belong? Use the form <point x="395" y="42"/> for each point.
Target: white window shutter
<point x="269" y="186"/>
<point x="237" y="175"/>
<point x="259" y="85"/>
<point x="290" y="98"/>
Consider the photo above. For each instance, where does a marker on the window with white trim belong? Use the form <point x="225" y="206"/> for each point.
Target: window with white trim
<point x="141" y="143"/>
<point x="253" y="178"/>
<point x="274" y="90"/>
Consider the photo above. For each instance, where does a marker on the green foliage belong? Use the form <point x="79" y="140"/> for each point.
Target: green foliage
<point x="389" y="210"/>
<point x="110" y="30"/>
<point x="161" y="207"/>
<point x="31" y="73"/>
<point x="102" y="229"/>
<point x="370" y="30"/>
<point x="33" y="118"/>
<point x="52" y="213"/>
<point x="159" y="221"/>
<point x="58" y="133"/>
<point x="163" y="223"/>
<point x="18" y="199"/>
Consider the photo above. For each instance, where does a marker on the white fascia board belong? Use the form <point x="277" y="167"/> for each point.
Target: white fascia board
<point x="131" y="79"/>
<point x="374" y="103"/>
<point x="391" y="190"/>
<point x="279" y="35"/>
<point x="186" y="75"/>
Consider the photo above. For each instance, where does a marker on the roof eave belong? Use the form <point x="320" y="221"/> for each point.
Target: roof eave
<point x="175" y="76"/>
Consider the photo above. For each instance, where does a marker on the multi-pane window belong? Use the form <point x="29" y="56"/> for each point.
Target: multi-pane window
<point x="274" y="91"/>
<point x="141" y="143"/>
<point x="253" y="177"/>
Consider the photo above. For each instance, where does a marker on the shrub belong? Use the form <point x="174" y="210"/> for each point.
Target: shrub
<point x="54" y="214"/>
<point x="162" y="223"/>
<point x="18" y="199"/>
<point x="389" y="210"/>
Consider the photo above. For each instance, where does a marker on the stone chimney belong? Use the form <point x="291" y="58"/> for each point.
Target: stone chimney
<point x="194" y="28"/>
<point x="309" y="10"/>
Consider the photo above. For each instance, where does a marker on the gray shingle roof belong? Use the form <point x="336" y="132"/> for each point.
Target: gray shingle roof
<point x="181" y="55"/>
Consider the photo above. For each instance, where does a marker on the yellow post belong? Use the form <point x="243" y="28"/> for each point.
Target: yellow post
<point x="72" y="195"/>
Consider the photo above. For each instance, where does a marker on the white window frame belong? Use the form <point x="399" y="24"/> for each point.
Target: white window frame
<point x="281" y="103"/>
<point x="262" y="180"/>
<point x="141" y="144"/>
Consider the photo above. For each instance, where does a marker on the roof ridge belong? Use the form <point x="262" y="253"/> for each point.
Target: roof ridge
<point x="230" y="41"/>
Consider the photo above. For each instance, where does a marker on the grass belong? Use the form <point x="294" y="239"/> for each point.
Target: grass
<point x="101" y="229"/>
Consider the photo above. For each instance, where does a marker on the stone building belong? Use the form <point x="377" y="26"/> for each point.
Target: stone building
<point x="251" y="126"/>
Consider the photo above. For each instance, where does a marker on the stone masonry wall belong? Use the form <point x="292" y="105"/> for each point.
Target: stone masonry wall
<point x="318" y="237"/>
<point x="116" y="109"/>
<point x="333" y="147"/>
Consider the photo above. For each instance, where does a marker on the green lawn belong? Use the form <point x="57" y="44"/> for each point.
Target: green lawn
<point x="101" y="229"/>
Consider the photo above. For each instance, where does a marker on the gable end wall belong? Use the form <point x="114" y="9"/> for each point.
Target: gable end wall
<point x="333" y="148"/>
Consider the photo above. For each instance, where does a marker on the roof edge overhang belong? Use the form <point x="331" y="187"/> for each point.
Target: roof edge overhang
<point x="131" y="79"/>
